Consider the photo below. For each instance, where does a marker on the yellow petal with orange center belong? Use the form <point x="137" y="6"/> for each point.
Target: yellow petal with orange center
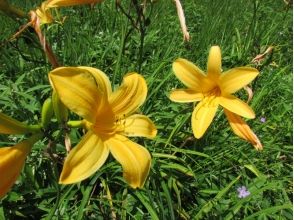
<point x="242" y="130"/>
<point x="78" y="90"/>
<point x="203" y="115"/>
<point x="185" y="95"/>
<point x="138" y="126"/>
<point x="134" y="158"/>
<point x="237" y="106"/>
<point x="234" y="79"/>
<point x="84" y="159"/>
<point x="12" y="161"/>
<point x="129" y="96"/>
<point x="191" y="76"/>
<point x="214" y="63"/>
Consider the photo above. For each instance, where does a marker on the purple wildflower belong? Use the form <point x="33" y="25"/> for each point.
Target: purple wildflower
<point x="262" y="119"/>
<point x="243" y="192"/>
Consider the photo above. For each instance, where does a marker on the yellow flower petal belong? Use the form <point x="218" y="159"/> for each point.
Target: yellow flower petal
<point x="44" y="14"/>
<point x="64" y="3"/>
<point x="237" y="106"/>
<point x="103" y="84"/>
<point x="11" y="162"/>
<point x="185" y="95"/>
<point x="11" y="126"/>
<point x="77" y="89"/>
<point x="134" y="159"/>
<point x="236" y="78"/>
<point x="203" y="115"/>
<point x="130" y="95"/>
<point x="242" y="130"/>
<point x="84" y="159"/>
<point x="139" y="125"/>
<point x="191" y="76"/>
<point x="214" y="63"/>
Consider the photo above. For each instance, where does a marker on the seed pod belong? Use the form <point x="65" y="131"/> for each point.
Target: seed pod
<point x="60" y="110"/>
<point x="47" y="112"/>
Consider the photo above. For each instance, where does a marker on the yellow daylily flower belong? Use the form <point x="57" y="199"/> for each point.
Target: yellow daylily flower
<point x="109" y="117"/>
<point x="45" y="15"/>
<point x="213" y="89"/>
<point x="11" y="162"/>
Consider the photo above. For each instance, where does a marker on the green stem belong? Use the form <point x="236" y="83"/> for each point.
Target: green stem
<point x="75" y="124"/>
<point x="34" y="128"/>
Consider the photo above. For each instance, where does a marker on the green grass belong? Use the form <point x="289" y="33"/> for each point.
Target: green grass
<point x="189" y="178"/>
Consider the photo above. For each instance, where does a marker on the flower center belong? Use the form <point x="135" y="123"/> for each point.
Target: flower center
<point x="108" y="124"/>
<point x="216" y="91"/>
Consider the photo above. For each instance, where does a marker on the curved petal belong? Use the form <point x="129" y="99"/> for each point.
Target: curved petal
<point x="214" y="63"/>
<point x="139" y="125"/>
<point x="64" y="3"/>
<point x="203" y="115"/>
<point x="191" y="76"/>
<point x="185" y="95"/>
<point x="241" y="129"/>
<point x="102" y="80"/>
<point x="104" y="87"/>
<point x="130" y="95"/>
<point x="77" y="89"/>
<point x="237" y="106"/>
<point x="134" y="159"/>
<point x="84" y="159"/>
<point x="236" y="78"/>
<point x="44" y="14"/>
<point x="12" y="161"/>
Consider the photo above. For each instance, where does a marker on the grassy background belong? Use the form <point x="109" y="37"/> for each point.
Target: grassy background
<point x="189" y="179"/>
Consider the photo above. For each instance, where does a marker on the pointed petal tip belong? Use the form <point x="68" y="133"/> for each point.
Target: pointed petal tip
<point x="154" y="133"/>
<point x="258" y="146"/>
<point x="214" y="63"/>
<point x="197" y="135"/>
<point x="215" y="47"/>
<point x="241" y="129"/>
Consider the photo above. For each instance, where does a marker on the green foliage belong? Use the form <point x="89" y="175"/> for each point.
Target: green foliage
<point x="189" y="178"/>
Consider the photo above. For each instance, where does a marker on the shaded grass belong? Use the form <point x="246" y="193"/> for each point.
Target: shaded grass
<point x="189" y="178"/>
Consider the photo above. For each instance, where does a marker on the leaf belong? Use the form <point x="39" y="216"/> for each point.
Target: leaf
<point x="254" y="170"/>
